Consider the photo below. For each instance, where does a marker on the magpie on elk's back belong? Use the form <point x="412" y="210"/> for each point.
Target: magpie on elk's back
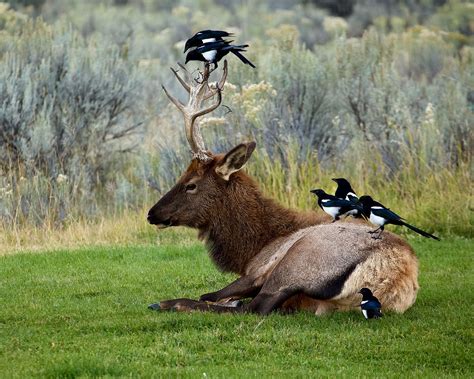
<point x="204" y="36"/>
<point x="370" y="305"/>
<point x="345" y="191"/>
<point x="380" y="215"/>
<point x="332" y="205"/>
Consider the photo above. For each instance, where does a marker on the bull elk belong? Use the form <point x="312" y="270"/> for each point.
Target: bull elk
<point x="286" y="259"/>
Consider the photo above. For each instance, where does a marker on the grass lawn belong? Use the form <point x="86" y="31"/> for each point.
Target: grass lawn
<point x="84" y="313"/>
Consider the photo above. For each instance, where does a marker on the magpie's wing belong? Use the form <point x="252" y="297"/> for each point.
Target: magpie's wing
<point x="203" y="34"/>
<point x="373" y="304"/>
<point x="386" y="213"/>
<point x="235" y="47"/>
<point x="218" y="45"/>
<point x="337" y="203"/>
<point x="353" y="198"/>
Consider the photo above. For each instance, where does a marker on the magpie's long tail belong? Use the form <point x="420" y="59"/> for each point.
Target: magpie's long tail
<point x="419" y="231"/>
<point x="242" y="58"/>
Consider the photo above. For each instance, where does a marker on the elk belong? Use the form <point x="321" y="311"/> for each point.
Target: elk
<point x="287" y="260"/>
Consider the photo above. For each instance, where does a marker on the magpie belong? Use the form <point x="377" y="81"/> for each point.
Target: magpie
<point x="370" y="305"/>
<point x="333" y="206"/>
<point x="379" y="215"/>
<point x="204" y="36"/>
<point x="345" y="191"/>
<point x="213" y="52"/>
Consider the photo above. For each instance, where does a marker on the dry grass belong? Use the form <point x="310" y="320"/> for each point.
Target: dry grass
<point x="128" y="229"/>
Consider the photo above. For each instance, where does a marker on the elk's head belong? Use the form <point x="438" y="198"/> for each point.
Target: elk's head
<point x="210" y="179"/>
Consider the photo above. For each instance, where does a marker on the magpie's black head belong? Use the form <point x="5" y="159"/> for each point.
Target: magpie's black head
<point x="318" y="192"/>
<point x="192" y="42"/>
<point x="365" y="292"/>
<point x="340" y="180"/>
<point x="193" y="55"/>
<point x="344" y="183"/>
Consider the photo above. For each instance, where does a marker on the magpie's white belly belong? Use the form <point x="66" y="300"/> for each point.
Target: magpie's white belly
<point x="333" y="211"/>
<point x="210" y="55"/>
<point x="376" y="220"/>
<point x="364" y="312"/>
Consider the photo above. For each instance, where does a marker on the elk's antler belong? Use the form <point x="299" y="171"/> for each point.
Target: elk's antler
<point x="199" y="91"/>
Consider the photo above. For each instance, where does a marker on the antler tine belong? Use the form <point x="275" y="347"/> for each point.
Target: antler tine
<point x="209" y="109"/>
<point x="186" y="86"/>
<point x="189" y="78"/>
<point x="224" y="76"/>
<point x="220" y="84"/>
<point x="175" y="101"/>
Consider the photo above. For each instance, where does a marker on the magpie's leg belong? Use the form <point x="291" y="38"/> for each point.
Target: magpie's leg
<point x="377" y="237"/>
<point x="374" y="231"/>
<point x="381" y="231"/>
<point x="335" y="219"/>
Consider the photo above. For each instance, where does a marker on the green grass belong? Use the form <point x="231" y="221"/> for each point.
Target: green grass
<point x="83" y="313"/>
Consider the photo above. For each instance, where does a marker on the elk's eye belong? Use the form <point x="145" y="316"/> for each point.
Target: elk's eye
<point x="191" y="187"/>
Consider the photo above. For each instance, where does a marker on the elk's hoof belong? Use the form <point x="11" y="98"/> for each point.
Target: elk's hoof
<point x="154" y="307"/>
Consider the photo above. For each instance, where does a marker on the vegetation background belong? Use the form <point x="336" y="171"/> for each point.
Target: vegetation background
<point x="379" y="92"/>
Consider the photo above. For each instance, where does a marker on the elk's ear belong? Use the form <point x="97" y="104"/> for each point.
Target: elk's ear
<point x="235" y="159"/>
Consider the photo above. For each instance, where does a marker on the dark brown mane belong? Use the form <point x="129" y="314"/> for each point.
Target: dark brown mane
<point x="247" y="222"/>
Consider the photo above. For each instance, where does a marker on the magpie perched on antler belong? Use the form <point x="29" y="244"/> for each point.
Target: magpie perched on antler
<point x="379" y="215"/>
<point x="333" y="206"/>
<point x="210" y="47"/>
<point x="205" y="36"/>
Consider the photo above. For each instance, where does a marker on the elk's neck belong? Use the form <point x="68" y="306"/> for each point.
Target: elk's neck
<point x="245" y="223"/>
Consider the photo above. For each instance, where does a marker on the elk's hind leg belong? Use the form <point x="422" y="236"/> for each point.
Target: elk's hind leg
<point x="266" y="302"/>
<point x="245" y="286"/>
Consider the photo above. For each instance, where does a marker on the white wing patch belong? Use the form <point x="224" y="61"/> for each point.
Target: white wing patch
<point x="350" y="194"/>
<point x="206" y="40"/>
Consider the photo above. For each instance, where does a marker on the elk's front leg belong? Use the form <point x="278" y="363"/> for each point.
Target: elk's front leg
<point x="245" y="286"/>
